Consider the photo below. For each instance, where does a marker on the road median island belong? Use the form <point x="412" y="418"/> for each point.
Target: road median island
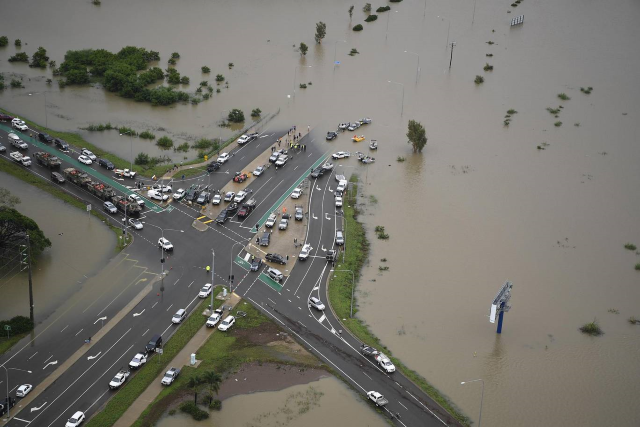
<point x="253" y="348"/>
<point x="339" y="297"/>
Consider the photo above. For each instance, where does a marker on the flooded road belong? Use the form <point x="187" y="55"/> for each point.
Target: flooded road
<point x="302" y="405"/>
<point x="481" y="205"/>
<point x="61" y="270"/>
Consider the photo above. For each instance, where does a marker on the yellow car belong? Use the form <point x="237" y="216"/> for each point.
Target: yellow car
<point x="357" y="138"/>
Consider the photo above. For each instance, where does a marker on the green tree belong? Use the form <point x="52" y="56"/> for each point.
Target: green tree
<point x="18" y="43"/>
<point x="7" y="199"/>
<point x="256" y="112"/>
<point x="213" y="381"/>
<point x="4" y="40"/>
<point x="205" y="69"/>
<point x="14" y="225"/>
<point x="194" y="385"/>
<point x="417" y="136"/>
<point x="303" y="49"/>
<point x="142" y="159"/>
<point x="367" y="8"/>
<point x="351" y="12"/>
<point x="236" y="116"/>
<point x="39" y="59"/>
<point x="321" y="31"/>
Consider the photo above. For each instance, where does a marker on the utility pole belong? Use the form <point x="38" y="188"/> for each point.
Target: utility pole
<point x="25" y="263"/>
<point x="451" y="59"/>
<point x="213" y="267"/>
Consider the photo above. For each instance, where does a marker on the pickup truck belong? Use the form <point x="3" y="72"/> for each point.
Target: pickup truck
<point x="19" y="158"/>
<point x="170" y="376"/>
<point x="126" y="173"/>
<point x="119" y="379"/>
<point x="377" y="398"/>
<point x="17" y="142"/>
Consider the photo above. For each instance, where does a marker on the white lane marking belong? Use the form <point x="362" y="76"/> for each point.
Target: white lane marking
<point x="138" y="314"/>
<point x="37" y="408"/>
<point x="196" y="297"/>
<point x="271" y="300"/>
<point x="296" y="167"/>
<point x="163" y="332"/>
<point x="191" y="284"/>
<point x="313" y="216"/>
<point x="321" y="319"/>
<point x="48" y="359"/>
<point x="289" y="300"/>
<point x="156" y="303"/>
<point x="96" y="401"/>
<point x="32" y="355"/>
<point x="169" y="307"/>
<point x="93" y="357"/>
<point x="55" y="362"/>
<point x="403" y="406"/>
<point x="367" y="376"/>
<point x="299" y="308"/>
<point x="79" y="331"/>
<point x="64" y="329"/>
<point x="145" y="332"/>
<point x="310" y="155"/>
<point x="20" y="419"/>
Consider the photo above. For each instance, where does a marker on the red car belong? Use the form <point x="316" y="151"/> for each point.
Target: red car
<point x="240" y="177"/>
<point x="5" y="118"/>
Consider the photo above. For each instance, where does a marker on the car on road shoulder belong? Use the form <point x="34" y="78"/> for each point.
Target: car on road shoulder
<point x="274" y="156"/>
<point x="229" y="196"/>
<point x="227" y="323"/>
<point x="76" y="419"/>
<point x="265" y="239"/>
<point x="89" y="154"/>
<point x="296" y="193"/>
<point x="16" y="123"/>
<point x="216" y="199"/>
<point x="275" y="274"/>
<point x="385" y="363"/>
<point x="165" y="244"/>
<point x="271" y="221"/>
<point x="338" y="202"/>
<point x="213" y="166"/>
<point x="138" y="360"/>
<point x="179" y="194"/>
<point x="316" y="303"/>
<point x="179" y="316"/>
<point x="106" y="164"/>
<point x="85" y="160"/>
<point x="136" y="223"/>
<point x="223" y="158"/>
<point x="258" y="171"/>
<point x="284" y="223"/>
<point x="110" y="207"/>
<point x="247" y="138"/>
<point x="305" y="252"/>
<point x="205" y="291"/>
<point x="331" y="135"/>
<point x="119" y="379"/>
<point x="339" y="238"/>
<point x="276" y="258"/>
<point x="23" y="390"/>
<point x="299" y="215"/>
<point x="256" y="264"/>
<point x="214" y="318"/>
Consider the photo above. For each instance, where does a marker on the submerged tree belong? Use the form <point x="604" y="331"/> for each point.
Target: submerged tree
<point x="321" y="31"/>
<point x="417" y="136"/>
<point x="13" y="228"/>
<point x="303" y="49"/>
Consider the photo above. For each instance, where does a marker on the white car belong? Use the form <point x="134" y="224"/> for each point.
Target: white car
<point x="244" y="139"/>
<point x="385" y="363"/>
<point x="162" y="188"/>
<point x="16" y="123"/>
<point x="214" y="318"/>
<point x="316" y="303"/>
<point x="327" y="166"/>
<point x="156" y="195"/>
<point x="85" y="160"/>
<point x="296" y="193"/>
<point x="136" y="198"/>
<point x="179" y="316"/>
<point x="258" y="171"/>
<point x="284" y="223"/>
<point x="136" y="223"/>
<point x="89" y="154"/>
<point x="282" y="160"/>
<point x="340" y="155"/>
<point x="165" y="244"/>
<point x="240" y="196"/>
<point x="338" y="202"/>
<point x="205" y="291"/>
<point x="222" y="158"/>
<point x="178" y="195"/>
<point x="216" y="199"/>
<point x="271" y="221"/>
<point x="227" y="323"/>
<point x="229" y="196"/>
<point x="76" y="419"/>
<point x="23" y="390"/>
<point x="305" y="252"/>
<point x="2" y="148"/>
<point x="119" y="379"/>
<point x="137" y="361"/>
<point x="353" y="126"/>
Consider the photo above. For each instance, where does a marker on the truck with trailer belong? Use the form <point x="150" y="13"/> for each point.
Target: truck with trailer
<point x="19" y="158"/>
<point x="76" y="176"/>
<point x="123" y="205"/>
<point x="48" y="160"/>
<point x="100" y="190"/>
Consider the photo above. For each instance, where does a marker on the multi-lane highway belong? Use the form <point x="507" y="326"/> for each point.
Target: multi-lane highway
<point x="138" y="301"/>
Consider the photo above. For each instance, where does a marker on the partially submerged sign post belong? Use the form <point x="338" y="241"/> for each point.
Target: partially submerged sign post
<point x="499" y="305"/>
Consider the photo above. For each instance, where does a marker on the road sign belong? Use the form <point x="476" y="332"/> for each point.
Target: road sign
<point x="159" y="350"/>
<point x="7" y="327"/>
<point x="337" y="62"/>
<point x="88" y="207"/>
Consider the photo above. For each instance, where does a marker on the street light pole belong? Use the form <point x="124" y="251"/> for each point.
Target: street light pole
<point x="353" y="281"/>
<point x="481" y="397"/>
<point x="396" y="83"/>
<point x="124" y="228"/>
<point x="162" y="246"/>
<point x="418" y="68"/>
<point x="295" y="72"/>
<point x="213" y="267"/>
<point x="451" y="59"/>
<point x="231" y="263"/>
<point x="335" y="45"/>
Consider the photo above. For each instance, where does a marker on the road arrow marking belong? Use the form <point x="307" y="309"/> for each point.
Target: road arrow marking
<point x="99" y="319"/>
<point x="93" y="357"/>
<point x="39" y="407"/>
<point x="314" y="217"/>
<point x="326" y="216"/>
<point x="323" y="249"/>
<point x="138" y="314"/>
<point x="318" y="188"/>
<point x="55" y="362"/>
<point x="330" y="190"/>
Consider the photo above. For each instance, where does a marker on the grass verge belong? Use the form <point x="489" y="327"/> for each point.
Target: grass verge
<point x="6" y="344"/>
<point x="223" y="353"/>
<point x="339" y="289"/>
<point x="26" y="176"/>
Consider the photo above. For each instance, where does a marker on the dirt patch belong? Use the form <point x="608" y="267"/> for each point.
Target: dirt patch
<point x="260" y="335"/>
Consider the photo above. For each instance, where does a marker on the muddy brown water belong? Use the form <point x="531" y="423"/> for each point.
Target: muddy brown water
<point x="481" y="205"/>
<point x="300" y="405"/>
<point x="80" y="246"/>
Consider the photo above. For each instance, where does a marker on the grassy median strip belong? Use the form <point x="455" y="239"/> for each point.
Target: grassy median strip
<point x="26" y="176"/>
<point x="223" y="353"/>
<point x="7" y="343"/>
<point x="357" y="250"/>
<point x="133" y="388"/>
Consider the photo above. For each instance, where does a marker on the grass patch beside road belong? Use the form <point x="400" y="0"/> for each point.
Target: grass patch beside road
<point x="6" y="344"/>
<point x="26" y="176"/>
<point x="118" y="405"/>
<point x="223" y="353"/>
<point x="339" y="289"/>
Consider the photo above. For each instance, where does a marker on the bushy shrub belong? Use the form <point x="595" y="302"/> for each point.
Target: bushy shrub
<point x="184" y="80"/>
<point x="16" y="83"/>
<point x="205" y="69"/>
<point x="193" y="410"/>
<point x="219" y="78"/>
<point x="358" y="27"/>
<point x="4" y="41"/>
<point x="18" y="324"/>
<point x="236" y="116"/>
<point x="256" y="112"/>
<point x="147" y="135"/>
<point x="479" y="79"/>
<point x="171" y="61"/>
<point x="204" y="83"/>
<point x="184" y="147"/>
<point x="19" y="57"/>
<point x="303" y="85"/>
<point x="202" y="144"/>
<point x="367" y="8"/>
<point x="142" y="159"/>
<point x="175" y="55"/>
<point x="18" y="43"/>
<point x="215" y="405"/>
<point x="383" y="9"/>
<point x="173" y="76"/>
<point x="165" y="142"/>
<point x="39" y="59"/>
<point x="371" y="18"/>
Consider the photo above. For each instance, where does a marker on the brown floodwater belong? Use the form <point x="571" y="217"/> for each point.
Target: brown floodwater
<point x="301" y="405"/>
<point x="480" y="206"/>
<point x="80" y="246"/>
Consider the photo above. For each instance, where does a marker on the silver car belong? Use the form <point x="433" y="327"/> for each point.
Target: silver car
<point x="339" y="238"/>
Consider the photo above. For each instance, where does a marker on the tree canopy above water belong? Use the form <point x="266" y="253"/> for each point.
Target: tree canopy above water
<point x="13" y="226"/>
